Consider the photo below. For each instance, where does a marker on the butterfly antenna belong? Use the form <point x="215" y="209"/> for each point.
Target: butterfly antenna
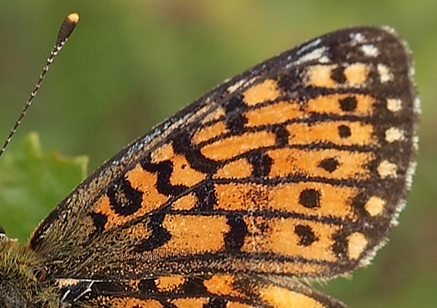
<point x="65" y="31"/>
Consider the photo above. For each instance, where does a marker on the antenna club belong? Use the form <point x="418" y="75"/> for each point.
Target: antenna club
<point x="73" y="18"/>
<point x="67" y="28"/>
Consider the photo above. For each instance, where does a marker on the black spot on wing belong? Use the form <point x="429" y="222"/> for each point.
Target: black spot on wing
<point x="159" y="235"/>
<point x="148" y="286"/>
<point x="261" y="163"/>
<point x="164" y="170"/>
<point x="281" y="135"/>
<point x="348" y="103"/>
<point x="310" y="198"/>
<point x="306" y="235"/>
<point x="234" y="239"/>
<point x="182" y="145"/>
<point x="99" y="221"/>
<point x="329" y="164"/>
<point x="344" y="131"/>
<point x="206" y="196"/>
<point x="235" y="119"/>
<point x="337" y="74"/>
<point x="124" y="199"/>
<point x="194" y="286"/>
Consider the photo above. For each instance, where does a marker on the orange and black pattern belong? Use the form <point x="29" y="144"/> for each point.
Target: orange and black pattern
<point x="296" y="168"/>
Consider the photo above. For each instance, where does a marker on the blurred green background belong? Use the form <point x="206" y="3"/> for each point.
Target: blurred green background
<point x="131" y="64"/>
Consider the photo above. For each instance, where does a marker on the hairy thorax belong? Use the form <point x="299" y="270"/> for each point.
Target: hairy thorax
<point x="23" y="283"/>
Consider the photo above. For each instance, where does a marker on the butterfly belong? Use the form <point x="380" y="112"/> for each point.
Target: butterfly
<point x="295" y="169"/>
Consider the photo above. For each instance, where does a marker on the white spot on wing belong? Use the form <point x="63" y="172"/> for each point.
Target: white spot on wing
<point x="309" y="45"/>
<point x="236" y="85"/>
<point x="370" y="50"/>
<point x="357" y="243"/>
<point x="313" y="55"/>
<point x="394" y="104"/>
<point x="384" y="73"/>
<point x="394" y="134"/>
<point x="357" y="38"/>
<point x="387" y="169"/>
<point x="374" y="206"/>
<point x="324" y="59"/>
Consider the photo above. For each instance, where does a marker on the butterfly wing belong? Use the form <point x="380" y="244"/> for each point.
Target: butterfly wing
<point x="296" y="167"/>
<point x="214" y="290"/>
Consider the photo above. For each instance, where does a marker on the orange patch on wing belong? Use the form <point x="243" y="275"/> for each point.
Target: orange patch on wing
<point x="162" y="153"/>
<point x="232" y="304"/>
<point x="169" y="283"/>
<point x="358" y="133"/>
<point x="143" y="181"/>
<point x="331" y="104"/>
<point x="193" y="234"/>
<point x="278" y="236"/>
<point x="235" y="145"/>
<point x="185" y="203"/>
<point x="261" y="92"/>
<point x="288" y="162"/>
<point x="133" y="283"/>
<point x="273" y="113"/>
<point x="190" y="302"/>
<point x="320" y="76"/>
<point x="280" y="297"/>
<point x="242" y="197"/>
<point x="214" y="115"/>
<point x="356" y="74"/>
<point x="222" y="285"/>
<point x="182" y="173"/>
<point x="209" y="132"/>
<point x="238" y="169"/>
<point x="335" y="201"/>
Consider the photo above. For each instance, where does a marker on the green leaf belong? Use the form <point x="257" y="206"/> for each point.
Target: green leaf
<point x="32" y="183"/>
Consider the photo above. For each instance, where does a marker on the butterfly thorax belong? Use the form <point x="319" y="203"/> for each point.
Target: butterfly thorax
<point x="20" y="286"/>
